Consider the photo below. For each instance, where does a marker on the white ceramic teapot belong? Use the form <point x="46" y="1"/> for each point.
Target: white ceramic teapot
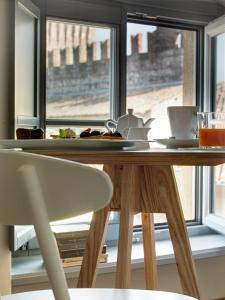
<point x="137" y="133"/>
<point x="127" y="121"/>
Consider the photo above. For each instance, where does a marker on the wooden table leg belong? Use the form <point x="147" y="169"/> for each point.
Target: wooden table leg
<point x="167" y="197"/>
<point x="128" y="196"/>
<point x="98" y="228"/>
<point x="95" y="242"/>
<point x="150" y="263"/>
<point x="180" y="240"/>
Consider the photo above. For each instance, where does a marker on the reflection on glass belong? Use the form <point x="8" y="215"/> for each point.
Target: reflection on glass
<point x="78" y="71"/>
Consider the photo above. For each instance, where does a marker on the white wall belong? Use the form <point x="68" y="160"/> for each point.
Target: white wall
<point x="4" y="97"/>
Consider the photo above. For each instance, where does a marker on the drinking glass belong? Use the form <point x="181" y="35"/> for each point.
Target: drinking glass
<point x="211" y="129"/>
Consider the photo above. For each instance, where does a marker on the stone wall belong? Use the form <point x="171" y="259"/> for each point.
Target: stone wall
<point x="220" y="97"/>
<point x="84" y="77"/>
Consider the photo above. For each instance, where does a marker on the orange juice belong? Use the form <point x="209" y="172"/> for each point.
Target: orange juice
<point x="212" y="137"/>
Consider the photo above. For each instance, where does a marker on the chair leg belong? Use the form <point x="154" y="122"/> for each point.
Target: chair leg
<point x="150" y="263"/>
<point x="45" y="236"/>
<point x="95" y="242"/>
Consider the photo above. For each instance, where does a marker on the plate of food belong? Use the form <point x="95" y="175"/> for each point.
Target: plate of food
<point x="84" y="144"/>
<point x="174" y="143"/>
<point x="84" y="141"/>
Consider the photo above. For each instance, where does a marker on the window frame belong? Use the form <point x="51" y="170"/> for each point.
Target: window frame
<point x="26" y="121"/>
<point x="112" y="16"/>
<point x="114" y="79"/>
<point x="213" y="29"/>
<point x="120" y="105"/>
<point x="15" y="241"/>
<point x="148" y="20"/>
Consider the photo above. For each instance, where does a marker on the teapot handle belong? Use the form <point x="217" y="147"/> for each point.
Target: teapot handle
<point x="110" y="124"/>
<point x="148" y="122"/>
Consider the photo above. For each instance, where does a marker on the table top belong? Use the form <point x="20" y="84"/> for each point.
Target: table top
<point x="170" y="157"/>
<point x="100" y="294"/>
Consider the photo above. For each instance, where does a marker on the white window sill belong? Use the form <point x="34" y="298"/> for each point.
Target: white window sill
<point x="28" y="270"/>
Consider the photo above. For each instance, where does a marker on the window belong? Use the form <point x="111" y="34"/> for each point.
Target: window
<point x="161" y="72"/>
<point x="25" y="83"/>
<point x="80" y="81"/>
<point x="86" y="78"/>
<point x="215" y="97"/>
<point x="80" y="70"/>
<point x="219" y="100"/>
<point x="26" y="61"/>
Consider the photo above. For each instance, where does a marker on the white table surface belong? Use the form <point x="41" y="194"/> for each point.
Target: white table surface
<point x="100" y="294"/>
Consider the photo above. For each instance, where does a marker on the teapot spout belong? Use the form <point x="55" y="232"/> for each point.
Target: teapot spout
<point x="148" y="122"/>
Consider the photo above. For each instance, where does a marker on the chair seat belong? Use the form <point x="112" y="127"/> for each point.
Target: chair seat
<point x="101" y="294"/>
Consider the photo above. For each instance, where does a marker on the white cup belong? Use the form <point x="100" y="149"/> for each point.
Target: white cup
<point x="183" y="121"/>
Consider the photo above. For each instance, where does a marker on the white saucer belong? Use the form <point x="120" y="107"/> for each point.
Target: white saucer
<point x="178" y="143"/>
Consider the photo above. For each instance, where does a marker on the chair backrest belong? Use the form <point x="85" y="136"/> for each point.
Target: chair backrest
<point x="68" y="188"/>
<point x="37" y="189"/>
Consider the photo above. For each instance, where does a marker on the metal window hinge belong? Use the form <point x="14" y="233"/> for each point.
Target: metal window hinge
<point x="142" y="15"/>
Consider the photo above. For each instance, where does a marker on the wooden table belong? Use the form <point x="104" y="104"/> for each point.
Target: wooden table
<point x="143" y="182"/>
<point x="100" y="294"/>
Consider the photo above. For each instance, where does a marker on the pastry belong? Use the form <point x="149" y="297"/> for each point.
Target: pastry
<point x="27" y="133"/>
<point x="67" y="133"/>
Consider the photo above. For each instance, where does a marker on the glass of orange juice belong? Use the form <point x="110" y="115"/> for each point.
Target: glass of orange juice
<point x="211" y="129"/>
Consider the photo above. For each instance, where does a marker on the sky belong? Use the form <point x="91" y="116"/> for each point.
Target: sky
<point x="132" y="29"/>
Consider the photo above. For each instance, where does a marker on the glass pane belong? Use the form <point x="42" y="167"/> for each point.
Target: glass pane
<point x="25" y="62"/>
<point x="161" y="72"/>
<point x="219" y="96"/>
<point x="79" y="68"/>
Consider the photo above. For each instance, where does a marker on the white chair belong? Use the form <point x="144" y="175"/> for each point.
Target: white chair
<point x="100" y="294"/>
<point x="37" y="189"/>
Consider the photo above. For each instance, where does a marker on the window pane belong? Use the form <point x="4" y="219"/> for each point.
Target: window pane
<point x="161" y="72"/>
<point x="219" y="96"/>
<point x="79" y="71"/>
<point x="25" y="63"/>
